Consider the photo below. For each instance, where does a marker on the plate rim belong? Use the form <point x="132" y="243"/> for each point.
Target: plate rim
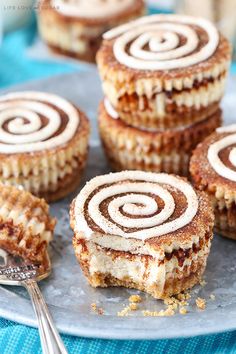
<point x="119" y="332"/>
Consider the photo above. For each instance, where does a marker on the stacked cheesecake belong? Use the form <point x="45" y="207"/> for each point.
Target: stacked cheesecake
<point x="163" y="77"/>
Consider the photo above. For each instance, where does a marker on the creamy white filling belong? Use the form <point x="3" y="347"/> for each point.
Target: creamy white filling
<point x="136" y="269"/>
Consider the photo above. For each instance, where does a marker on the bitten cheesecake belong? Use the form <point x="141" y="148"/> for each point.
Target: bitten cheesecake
<point x="43" y="143"/>
<point x="75" y="27"/>
<point x="26" y="227"/>
<point x="164" y="71"/>
<point x="213" y="169"/>
<point x="142" y="230"/>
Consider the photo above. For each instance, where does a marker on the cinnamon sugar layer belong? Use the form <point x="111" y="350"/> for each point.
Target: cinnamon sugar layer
<point x="161" y="151"/>
<point x="162" y="79"/>
<point x="183" y="237"/>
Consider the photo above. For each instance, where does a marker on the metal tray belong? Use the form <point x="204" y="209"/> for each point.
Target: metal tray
<point x="67" y="292"/>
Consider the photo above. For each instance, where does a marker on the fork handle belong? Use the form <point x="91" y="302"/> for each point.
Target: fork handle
<point x="50" y="339"/>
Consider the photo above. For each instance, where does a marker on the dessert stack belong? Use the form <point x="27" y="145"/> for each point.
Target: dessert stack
<point x="163" y="77"/>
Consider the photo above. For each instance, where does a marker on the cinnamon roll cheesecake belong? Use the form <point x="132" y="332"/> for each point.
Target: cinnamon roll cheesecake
<point x="156" y="150"/>
<point x="75" y="27"/>
<point x="26" y="227"/>
<point x="213" y="169"/>
<point x="142" y="230"/>
<point x="164" y="71"/>
<point x="43" y="143"/>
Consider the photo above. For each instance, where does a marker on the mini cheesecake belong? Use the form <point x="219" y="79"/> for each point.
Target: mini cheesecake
<point x="43" y="143"/>
<point x="26" y="227"/>
<point x="213" y="169"/>
<point x="142" y="230"/>
<point x="75" y="27"/>
<point x="164" y="71"/>
<point x="156" y="150"/>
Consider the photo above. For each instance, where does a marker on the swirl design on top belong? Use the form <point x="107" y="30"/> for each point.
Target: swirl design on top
<point x="91" y="8"/>
<point x="214" y="150"/>
<point x="154" y="42"/>
<point x="30" y="121"/>
<point x="128" y="193"/>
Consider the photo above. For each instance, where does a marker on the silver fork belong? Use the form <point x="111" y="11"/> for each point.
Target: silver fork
<point x="15" y="271"/>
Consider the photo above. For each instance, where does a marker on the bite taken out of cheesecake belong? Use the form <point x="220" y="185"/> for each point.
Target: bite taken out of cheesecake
<point x="142" y="230"/>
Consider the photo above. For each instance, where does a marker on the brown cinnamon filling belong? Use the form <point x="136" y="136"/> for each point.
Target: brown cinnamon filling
<point x="134" y="97"/>
<point x="180" y="253"/>
<point x="9" y="228"/>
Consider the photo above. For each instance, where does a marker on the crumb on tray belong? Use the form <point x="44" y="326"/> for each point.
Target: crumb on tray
<point x="133" y="306"/>
<point x="99" y="310"/>
<point x="124" y="312"/>
<point x="183" y="310"/>
<point x="94" y="306"/>
<point x="201" y="303"/>
<point x="135" y="298"/>
<point x="168" y="312"/>
<point x="202" y="282"/>
<point x="173" y="304"/>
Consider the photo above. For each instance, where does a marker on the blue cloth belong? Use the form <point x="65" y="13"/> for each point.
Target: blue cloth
<point x="15" y="67"/>
<point x="18" y="339"/>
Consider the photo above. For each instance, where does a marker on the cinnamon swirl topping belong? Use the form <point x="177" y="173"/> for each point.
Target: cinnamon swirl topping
<point x="227" y="142"/>
<point x="91" y="8"/>
<point x="33" y="121"/>
<point x="163" y="42"/>
<point x="132" y="209"/>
